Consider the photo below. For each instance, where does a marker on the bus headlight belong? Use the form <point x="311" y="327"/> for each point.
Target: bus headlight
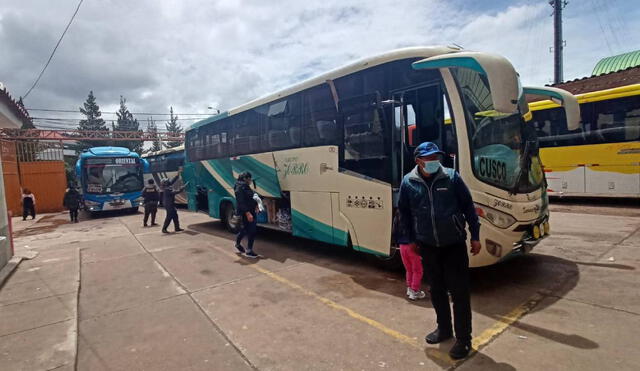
<point x="497" y="218"/>
<point x="92" y="203"/>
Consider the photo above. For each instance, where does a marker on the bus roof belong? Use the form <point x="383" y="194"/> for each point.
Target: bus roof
<point x="108" y="152"/>
<point x="404" y="53"/>
<point x="179" y="148"/>
<point x="594" y="96"/>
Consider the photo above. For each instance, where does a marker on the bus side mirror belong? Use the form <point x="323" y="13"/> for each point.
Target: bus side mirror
<point x="562" y="98"/>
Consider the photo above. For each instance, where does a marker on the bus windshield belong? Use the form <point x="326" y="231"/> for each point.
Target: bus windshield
<point x="504" y="149"/>
<point x="102" y="179"/>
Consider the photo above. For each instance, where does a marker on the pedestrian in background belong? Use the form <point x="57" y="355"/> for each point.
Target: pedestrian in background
<point x="169" y="202"/>
<point x="246" y="207"/>
<point x="71" y="201"/>
<point x="434" y="204"/>
<point x="28" y="204"/>
<point x="151" y="196"/>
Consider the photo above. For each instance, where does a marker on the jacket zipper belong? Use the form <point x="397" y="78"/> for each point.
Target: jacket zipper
<point x="433" y="219"/>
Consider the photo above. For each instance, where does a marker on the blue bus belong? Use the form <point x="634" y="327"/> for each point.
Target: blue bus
<point x="111" y="178"/>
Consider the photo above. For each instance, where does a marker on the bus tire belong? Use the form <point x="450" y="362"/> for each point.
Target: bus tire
<point x="227" y="212"/>
<point x="391" y="262"/>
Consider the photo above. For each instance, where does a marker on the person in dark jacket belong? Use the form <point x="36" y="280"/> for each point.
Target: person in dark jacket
<point x="151" y="196"/>
<point x="169" y="202"/>
<point x="28" y="204"/>
<point x="71" y="201"/>
<point x="246" y="207"/>
<point x="434" y="204"/>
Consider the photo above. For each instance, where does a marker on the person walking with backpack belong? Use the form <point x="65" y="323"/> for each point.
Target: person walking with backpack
<point x="28" y="204"/>
<point x="169" y="202"/>
<point x="71" y="201"/>
<point x="434" y="204"/>
<point x="151" y="196"/>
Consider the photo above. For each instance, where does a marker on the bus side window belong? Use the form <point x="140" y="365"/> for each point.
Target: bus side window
<point x="283" y="124"/>
<point x="363" y="128"/>
<point x="319" y="125"/>
<point x="245" y="139"/>
<point x="618" y="120"/>
<point x="191" y="142"/>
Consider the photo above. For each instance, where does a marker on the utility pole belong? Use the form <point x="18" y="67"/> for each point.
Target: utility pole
<point x="558" y="43"/>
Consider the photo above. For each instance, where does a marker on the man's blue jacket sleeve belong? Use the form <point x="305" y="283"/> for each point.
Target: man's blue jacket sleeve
<point x="404" y="230"/>
<point x="468" y="208"/>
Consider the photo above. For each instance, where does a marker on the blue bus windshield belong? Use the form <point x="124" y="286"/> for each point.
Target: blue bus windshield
<point x="116" y="177"/>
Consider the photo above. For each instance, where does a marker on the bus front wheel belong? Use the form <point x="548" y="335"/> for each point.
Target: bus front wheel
<point x="227" y="215"/>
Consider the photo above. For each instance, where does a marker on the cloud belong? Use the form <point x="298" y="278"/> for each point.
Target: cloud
<point x="199" y="53"/>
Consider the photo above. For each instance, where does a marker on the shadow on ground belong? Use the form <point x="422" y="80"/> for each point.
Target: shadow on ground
<point x="518" y="277"/>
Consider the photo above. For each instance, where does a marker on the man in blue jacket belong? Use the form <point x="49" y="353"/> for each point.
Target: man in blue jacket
<point x="169" y="202"/>
<point x="434" y="204"/>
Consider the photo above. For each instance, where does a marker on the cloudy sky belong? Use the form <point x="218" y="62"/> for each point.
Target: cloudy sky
<point x="194" y="54"/>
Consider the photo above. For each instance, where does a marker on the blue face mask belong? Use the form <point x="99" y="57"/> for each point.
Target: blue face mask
<point x="431" y="167"/>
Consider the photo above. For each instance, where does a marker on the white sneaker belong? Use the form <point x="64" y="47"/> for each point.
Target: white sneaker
<point x="409" y="291"/>
<point x="417" y="295"/>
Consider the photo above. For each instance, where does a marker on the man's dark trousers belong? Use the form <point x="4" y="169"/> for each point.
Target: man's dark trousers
<point x="172" y="214"/>
<point x="249" y="229"/>
<point x="447" y="268"/>
<point x="150" y="208"/>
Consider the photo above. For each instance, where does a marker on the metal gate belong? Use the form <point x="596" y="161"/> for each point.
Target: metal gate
<point x="37" y="166"/>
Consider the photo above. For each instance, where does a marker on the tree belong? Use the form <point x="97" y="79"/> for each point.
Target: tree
<point x="93" y="121"/>
<point x="126" y="122"/>
<point x="152" y="129"/>
<point x="173" y="128"/>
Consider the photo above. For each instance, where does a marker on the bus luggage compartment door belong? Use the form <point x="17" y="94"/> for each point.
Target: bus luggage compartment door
<point x="566" y="179"/>
<point x="311" y="215"/>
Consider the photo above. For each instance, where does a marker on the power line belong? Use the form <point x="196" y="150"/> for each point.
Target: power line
<point x="54" y="50"/>
<point x="113" y="113"/>
<point x="70" y="119"/>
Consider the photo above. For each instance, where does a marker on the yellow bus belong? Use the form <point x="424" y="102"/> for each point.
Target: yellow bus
<point x="602" y="157"/>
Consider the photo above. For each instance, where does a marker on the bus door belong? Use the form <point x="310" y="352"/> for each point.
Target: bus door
<point x="418" y="117"/>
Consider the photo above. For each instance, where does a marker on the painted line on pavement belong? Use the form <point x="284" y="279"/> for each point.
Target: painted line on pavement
<point x="478" y="342"/>
<point x="350" y="312"/>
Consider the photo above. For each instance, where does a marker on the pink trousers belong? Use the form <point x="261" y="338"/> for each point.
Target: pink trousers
<point x="412" y="264"/>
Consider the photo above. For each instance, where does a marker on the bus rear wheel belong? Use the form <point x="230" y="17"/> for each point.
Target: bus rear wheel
<point x="392" y="262"/>
<point x="227" y="213"/>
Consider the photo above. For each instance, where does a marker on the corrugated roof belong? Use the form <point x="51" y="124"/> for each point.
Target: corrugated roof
<point x="617" y="63"/>
<point x="14" y="107"/>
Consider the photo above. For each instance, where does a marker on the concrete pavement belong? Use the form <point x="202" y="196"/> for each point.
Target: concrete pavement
<point x="186" y="301"/>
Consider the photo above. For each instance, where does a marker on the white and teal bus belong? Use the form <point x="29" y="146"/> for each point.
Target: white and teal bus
<point x="166" y="164"/>
<point x="328" y="154"/>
